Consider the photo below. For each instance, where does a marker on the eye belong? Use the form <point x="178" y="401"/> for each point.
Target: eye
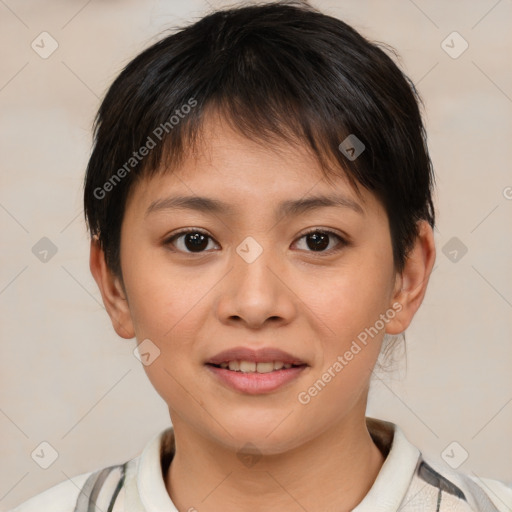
<point x="194" y="240"/>
<point x="319" y="239"/>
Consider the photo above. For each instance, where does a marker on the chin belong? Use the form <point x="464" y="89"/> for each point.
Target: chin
<point x="265" y="437"/>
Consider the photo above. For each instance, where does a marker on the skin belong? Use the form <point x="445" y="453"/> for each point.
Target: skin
<point x="312" y="304"/>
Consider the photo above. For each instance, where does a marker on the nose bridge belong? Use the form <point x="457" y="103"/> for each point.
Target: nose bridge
<point x="253" y="261"/>
<point x="254" y="291"/>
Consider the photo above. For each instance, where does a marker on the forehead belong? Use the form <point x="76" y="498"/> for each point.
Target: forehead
<point x="220" y="147"/>
<point x="221" y="154"/>
<point x="226" y="164"/>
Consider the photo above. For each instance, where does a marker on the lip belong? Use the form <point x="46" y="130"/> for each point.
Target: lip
<point x="256" y="383"/>
<point x="258" y="356"/>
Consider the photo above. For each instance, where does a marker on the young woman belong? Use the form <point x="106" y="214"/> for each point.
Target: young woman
<point x="259" y="202"/>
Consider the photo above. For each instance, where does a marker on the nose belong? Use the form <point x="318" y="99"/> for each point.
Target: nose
<point x="255" y="292"/>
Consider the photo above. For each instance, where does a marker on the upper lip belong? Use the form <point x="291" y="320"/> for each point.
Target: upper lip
<point x="257" y="356"/>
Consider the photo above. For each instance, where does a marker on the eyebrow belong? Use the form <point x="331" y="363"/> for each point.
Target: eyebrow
<point x="286" y="208"/>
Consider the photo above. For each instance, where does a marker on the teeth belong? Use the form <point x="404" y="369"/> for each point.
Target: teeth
<point x="247" y="366"/>
<point x="251" y="366"/>
<point x="234" y="365"/>
<point x="265" y="367"/>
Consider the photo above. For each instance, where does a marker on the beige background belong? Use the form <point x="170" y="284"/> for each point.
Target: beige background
<point x="67" y="379"/>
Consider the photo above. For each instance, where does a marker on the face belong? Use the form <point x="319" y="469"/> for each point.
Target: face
<point x="249" y="275"/>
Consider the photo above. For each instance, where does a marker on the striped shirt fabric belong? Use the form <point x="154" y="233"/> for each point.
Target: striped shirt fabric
<point x="407" y="482"/>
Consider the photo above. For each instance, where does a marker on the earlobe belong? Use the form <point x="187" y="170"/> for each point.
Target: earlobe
<point x="112" y="292"/>
<point x="411" y="283"/>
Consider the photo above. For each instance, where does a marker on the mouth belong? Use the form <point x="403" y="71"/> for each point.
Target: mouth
<point x="244" y="366"/>
<point x="251" y="378"/>
<point x="255" y="372"/>
<point x="262" y="360"/>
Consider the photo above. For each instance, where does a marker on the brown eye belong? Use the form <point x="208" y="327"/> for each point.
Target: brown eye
<point x="192" y="240"/>
<point x="195" y="241"/>
<point x="318" y="240"/>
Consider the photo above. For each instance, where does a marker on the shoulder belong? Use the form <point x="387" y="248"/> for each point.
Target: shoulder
<point x="74" y="494"/>
<point x="112" y="488"/>
<point x="455" y="487"/>
<point x="500" y="493"/>
<point x="61" y="497"/>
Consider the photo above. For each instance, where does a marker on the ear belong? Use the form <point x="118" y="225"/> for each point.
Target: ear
<point x="112" y="292"/>
<point x="411" y="283"/>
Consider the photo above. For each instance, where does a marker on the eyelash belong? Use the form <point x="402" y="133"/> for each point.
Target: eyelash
<point x="342" y="241"/>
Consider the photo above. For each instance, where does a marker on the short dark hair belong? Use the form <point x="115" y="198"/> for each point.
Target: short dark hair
<point x="278" y="71"/>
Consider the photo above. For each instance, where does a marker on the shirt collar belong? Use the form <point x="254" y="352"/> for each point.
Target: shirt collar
<point x="395" y="476"/>
<point x="385" y="495"/>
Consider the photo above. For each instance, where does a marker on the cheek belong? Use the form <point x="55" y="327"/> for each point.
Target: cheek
<point x="347" y="313"/>
<point x="350" y="299"/>
<point x="165" y="312"/>
<point x="349" y="341"/>
<point x="163" y="297"/>
<point x="167" y="307"/>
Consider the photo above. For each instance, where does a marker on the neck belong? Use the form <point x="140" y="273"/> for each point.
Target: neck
<point x="334" y="470"/>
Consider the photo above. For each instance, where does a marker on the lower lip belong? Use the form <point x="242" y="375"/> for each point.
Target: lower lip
<point x="255" y="383"/>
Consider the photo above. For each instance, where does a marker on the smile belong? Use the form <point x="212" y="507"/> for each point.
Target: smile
<point x="253" y="367"/>
<point x="253" y="378"/>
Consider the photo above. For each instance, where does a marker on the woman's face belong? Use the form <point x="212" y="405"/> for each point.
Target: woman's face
<point x="249" y="276"/>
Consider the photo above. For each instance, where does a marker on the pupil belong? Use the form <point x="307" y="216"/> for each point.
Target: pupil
<point x="320" y="241"/>
<point x="195" y="241"/>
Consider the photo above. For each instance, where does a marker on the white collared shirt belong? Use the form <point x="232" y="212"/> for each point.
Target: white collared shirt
<point x="406" y="483"/>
